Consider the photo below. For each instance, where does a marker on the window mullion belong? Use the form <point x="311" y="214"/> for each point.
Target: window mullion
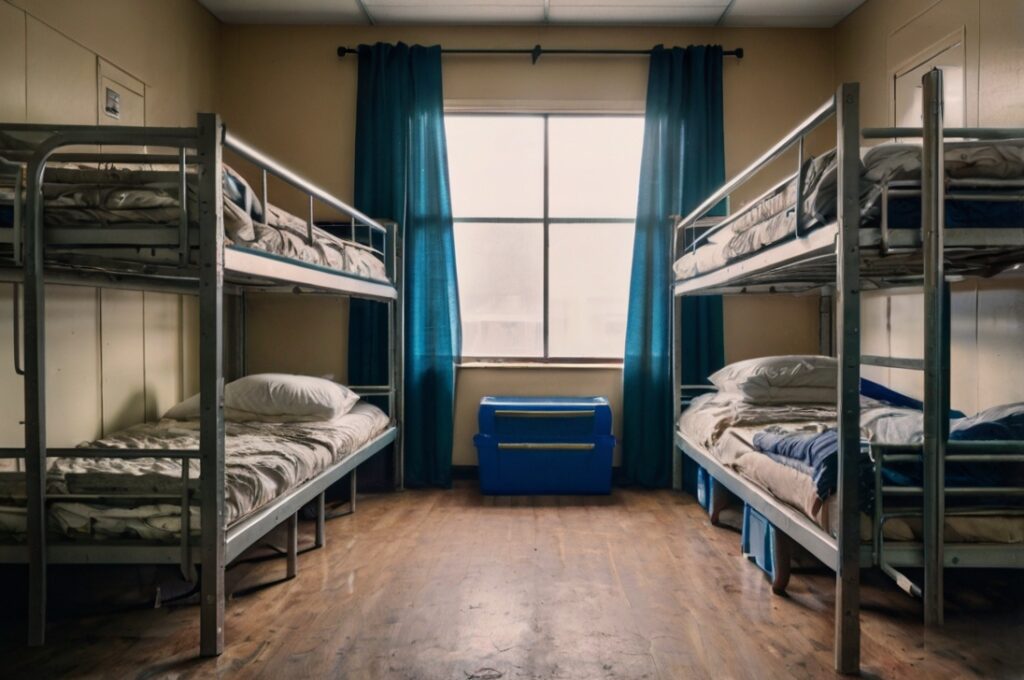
<point x="547" y="240"/>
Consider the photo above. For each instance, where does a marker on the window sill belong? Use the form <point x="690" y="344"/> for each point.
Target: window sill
<point x="527" y="364"/>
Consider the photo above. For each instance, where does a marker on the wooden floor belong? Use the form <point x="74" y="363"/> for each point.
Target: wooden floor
<point x="448" y="584"/>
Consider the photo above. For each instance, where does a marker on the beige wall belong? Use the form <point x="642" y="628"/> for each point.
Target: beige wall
<point x="273" y="75"/>
<point x="114" y="357"/>
<point x="988" y="316"/>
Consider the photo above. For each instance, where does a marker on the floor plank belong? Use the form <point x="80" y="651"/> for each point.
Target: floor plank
<point x="449" y="584"/>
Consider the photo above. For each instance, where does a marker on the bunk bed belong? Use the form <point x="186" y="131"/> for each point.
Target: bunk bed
<point x="905" y="216"/>
<point x="174" y="217"/>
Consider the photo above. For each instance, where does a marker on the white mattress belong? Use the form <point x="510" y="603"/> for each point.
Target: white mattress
<point x="262" y="462"/>
<point x="725" y="427"/>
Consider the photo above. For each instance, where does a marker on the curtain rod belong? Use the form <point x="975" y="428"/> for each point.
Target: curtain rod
<point x="536" y="52"/>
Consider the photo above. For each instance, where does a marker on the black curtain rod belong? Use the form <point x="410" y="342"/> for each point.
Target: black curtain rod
<point x="536" y="52"/>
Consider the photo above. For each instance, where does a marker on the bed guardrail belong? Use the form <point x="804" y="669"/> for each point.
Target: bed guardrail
<point x="1000" y="501"/>
<point x="51" y="138"/>
<point x="795" y="138"/>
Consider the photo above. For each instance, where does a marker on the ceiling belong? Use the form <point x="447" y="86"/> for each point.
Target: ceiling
<point x="746" y="13"/>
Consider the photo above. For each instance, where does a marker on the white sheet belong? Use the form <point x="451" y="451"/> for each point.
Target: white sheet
<point x="262" y="461"/>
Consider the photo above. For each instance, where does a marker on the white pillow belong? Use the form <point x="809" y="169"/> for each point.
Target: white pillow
<point x="276" y="397"/>
<point x="807" y="378"/>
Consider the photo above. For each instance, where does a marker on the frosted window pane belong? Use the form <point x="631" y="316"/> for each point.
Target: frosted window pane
<point x="589" y="289"/>
<point x="496" y="165"/>
<point x="594" y="165"/>
<point x="501" y="289"/>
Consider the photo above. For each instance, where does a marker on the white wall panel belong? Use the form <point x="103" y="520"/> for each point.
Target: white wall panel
<point x="61" y="78"/>
<point x="123" y="357"/>
<point x="72" y="365"/>
<point x="163" y="342"/>
<point x="1000" y="360"/>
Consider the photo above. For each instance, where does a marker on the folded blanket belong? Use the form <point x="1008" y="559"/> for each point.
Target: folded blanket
<point x="817" y="455"/>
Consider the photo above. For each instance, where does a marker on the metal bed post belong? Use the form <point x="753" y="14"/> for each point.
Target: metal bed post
<point x="674" y="319"/>
<point x="936" y="346"/>
<point x="825" y="323"/>
<point x="397" y="350"/>
<point x="35" y="402"/>
<point x="211" y="382"/>
<point x="847" y="628"/>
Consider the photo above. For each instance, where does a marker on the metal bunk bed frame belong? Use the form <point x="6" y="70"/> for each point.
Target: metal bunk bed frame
<point x="219" y="271"/>
<point x="842" y="259"/>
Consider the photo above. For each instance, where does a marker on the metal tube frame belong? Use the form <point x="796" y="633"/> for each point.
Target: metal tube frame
<point x="936" y="346"/>
<point x="217" y="544"/>
<point x="932" y="246"/>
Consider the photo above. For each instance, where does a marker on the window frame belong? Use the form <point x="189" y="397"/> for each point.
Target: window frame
<point x="546" y="220"/>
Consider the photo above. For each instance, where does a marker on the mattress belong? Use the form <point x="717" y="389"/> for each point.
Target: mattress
<point x="725" y="427"/>
<point x="262" y="462"/>
<point x="773" y="218"/>
<point x="84" y="196"/>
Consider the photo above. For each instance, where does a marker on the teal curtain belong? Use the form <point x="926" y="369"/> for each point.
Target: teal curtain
<point x="402" y="174"/>
<point x="683" y="162"/>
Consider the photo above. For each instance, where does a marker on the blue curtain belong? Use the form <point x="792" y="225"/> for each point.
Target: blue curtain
<point x="683" y="162"/>
<point x="402" y="174"/>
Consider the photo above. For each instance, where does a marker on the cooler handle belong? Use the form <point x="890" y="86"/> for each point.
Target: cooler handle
<point x="541" y="446"/>
<point x="514" y="413"/>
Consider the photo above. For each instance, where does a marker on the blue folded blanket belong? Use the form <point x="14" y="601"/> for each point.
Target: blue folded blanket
<point x="817" y="455"/>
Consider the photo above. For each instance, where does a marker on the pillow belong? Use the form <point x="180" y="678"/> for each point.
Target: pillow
<point x="782" y="379"/>
<point x="276" y="397"/>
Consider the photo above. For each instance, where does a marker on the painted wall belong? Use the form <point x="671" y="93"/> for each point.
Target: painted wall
<point x="988" y="316"/>
<point x="272" y="75"/>
<point x="114" y="358"/>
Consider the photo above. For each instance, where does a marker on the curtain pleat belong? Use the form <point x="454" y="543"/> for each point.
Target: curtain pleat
<point x="402" y="174"/>
<point x="683" y="162"/>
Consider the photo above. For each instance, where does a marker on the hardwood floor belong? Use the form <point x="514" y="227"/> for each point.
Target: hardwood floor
<point x="448" y="584"/>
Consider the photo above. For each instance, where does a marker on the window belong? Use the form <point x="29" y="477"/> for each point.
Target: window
<point x="544" y="210"/>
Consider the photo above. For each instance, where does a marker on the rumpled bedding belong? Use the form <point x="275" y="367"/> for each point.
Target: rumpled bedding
<point x="774" y="218"/>
<point x="262" y="462"/>
<point x="81" y="195"/>
<point x="817" y="455"/>
<point x="726" y="428"/>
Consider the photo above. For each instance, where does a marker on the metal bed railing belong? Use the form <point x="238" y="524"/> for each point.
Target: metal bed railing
<point x="839" y="262"/>
<point x="202" y="148"/>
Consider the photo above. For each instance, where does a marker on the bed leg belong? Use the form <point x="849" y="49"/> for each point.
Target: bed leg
<point x="782" y="559"/>
<point x="352" y="492"/>
<point x="293" y="546"/>
<point x="351" y="501"/>
<point x="321" y="516"/>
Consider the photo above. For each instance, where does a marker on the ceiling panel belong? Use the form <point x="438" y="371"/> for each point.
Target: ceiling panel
<point x="645" y="13"/>
<point x="286" y="11"/>
<point x="448" y="12"/>
<point x="630" y="4"/>
<point x="788" y="13"/>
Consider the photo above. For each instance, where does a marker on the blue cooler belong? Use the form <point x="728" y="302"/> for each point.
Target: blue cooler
<point x="545" y="445"/>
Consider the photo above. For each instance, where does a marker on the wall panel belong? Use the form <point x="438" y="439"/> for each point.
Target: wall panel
<point x="987" y="316"/>
<point x="12" y="64"/>
<point x="61" y="78"/>
<point x="113" y="357"/>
